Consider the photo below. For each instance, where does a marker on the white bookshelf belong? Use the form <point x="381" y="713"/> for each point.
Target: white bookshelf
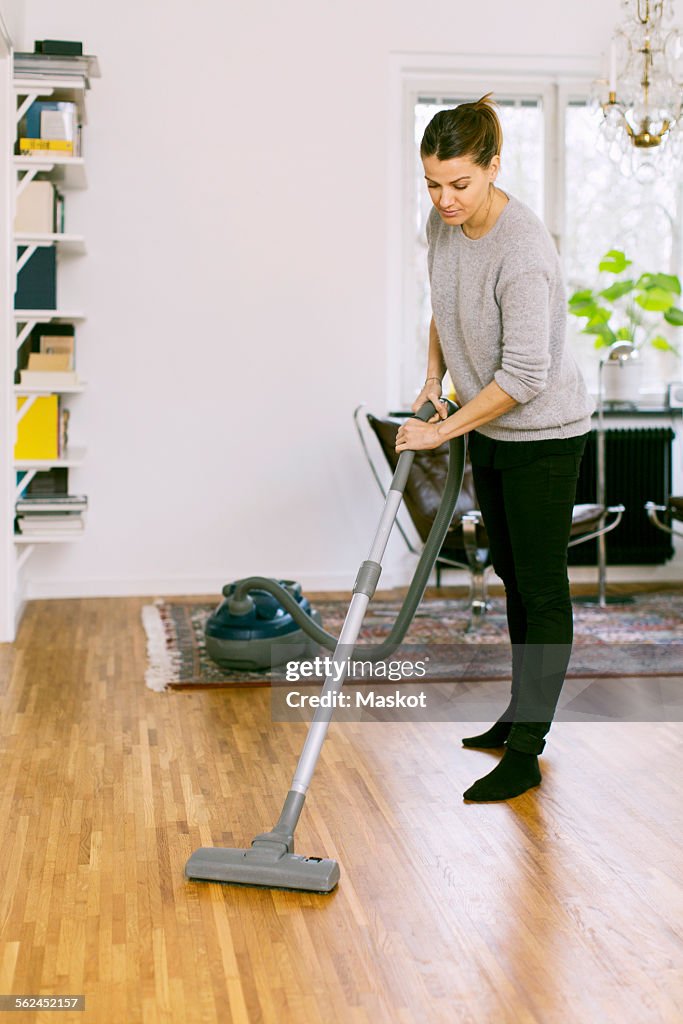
<point x="71" y="89"/>
<point x="16" y="172"/>
<point x="63" y="389"/>
<point x="48" y="538"/>
<point x="64" y="242"/>
<point x="72" y="457"/>
<point x="42" y="316"/>
<point x="66" y="171"/>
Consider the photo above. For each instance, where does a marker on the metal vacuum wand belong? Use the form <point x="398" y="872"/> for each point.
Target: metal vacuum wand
<point x="271" y="860"/>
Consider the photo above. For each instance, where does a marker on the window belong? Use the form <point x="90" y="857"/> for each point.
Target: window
<point x="603" y="210"/>
<point x="550" y="161"/>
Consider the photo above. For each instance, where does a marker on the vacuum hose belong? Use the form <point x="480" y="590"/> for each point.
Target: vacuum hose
<point x="240" y="602"/>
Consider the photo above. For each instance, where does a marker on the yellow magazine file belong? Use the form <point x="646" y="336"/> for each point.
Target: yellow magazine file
<point x="38" y="430"/>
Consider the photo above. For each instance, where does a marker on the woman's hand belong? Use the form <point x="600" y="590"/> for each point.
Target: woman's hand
<point x="416" y="436"/>
<point x="431" y="392"/>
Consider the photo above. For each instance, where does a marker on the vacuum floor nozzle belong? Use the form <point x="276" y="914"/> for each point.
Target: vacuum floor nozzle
<point x="258" y="866"/>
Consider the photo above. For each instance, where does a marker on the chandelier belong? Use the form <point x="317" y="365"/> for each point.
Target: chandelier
<point x="641" y="123"/>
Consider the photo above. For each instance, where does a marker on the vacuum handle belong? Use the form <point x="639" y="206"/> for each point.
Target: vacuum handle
<point x="405" y="461"/>
<point x="425" y="412"/>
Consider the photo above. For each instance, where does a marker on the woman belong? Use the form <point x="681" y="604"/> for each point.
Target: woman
<point x="498" y="326"/>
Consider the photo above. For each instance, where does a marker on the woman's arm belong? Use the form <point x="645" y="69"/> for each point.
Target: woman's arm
<point x="491" y="402"/>
<point x="436" y="365"/>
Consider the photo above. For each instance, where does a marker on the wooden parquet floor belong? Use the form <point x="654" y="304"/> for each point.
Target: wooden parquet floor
<point x="564" y="905"/>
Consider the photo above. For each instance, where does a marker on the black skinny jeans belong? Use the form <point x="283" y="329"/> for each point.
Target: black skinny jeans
<point x="526" y="491"/>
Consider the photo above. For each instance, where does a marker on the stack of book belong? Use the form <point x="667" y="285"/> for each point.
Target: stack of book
<point x="50" y="371"/>
<point x="52" y="126"/>
<point x="48" y="357"/>
<point x="56" y="65"/>
<point x="48" y="514"/>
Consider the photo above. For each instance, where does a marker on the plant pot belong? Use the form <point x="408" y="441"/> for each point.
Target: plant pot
<point x="621" y="379"/>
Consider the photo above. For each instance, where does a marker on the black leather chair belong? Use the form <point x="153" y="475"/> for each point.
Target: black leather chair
<point x="466" y="544"/>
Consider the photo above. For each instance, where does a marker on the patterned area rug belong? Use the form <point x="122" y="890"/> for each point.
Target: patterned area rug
<point x="644" y="638"/>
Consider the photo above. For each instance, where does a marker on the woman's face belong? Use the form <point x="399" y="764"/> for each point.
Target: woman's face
<point x="458" y="187"/>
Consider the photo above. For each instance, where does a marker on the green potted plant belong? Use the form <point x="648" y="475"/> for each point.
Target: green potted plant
<point x="628" y="309"/>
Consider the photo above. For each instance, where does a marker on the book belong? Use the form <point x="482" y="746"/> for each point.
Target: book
<point x="50" y="380"/>
<point x="50" y="119"/>
<point x="57" y="510"/>
<point x="27" y="146"/>
<point x="59" y="213"/>
<point x="49" y="361"/>
<point x="53" y="65"/>
<point x="55" y="339"/>
<point x="37" y="279"/>
<point x="61" y="47"/>
<point x="57" y="525"/>
<point x="51" y="531"/>
<point x="48" y="483"/>
<point x="53" y="517"/>
<point x="50" y="126"/>
<point x="56" y="516"/>
<point x="53" y="503"/>
<point x="61" y="68"/>
<point x="38" y="429"/>
<point x="49" y="340"/>
<point x="63" y="430"/>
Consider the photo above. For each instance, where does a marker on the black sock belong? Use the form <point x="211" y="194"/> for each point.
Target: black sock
<point x="493" y="737"/>
<point x="497" y="734"/>
<point x="514" y="774"/>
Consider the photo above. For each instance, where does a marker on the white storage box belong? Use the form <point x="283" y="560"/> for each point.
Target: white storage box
<point x="36" y="209"/>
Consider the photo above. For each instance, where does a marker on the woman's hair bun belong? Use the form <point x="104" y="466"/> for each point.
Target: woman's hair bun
<point x="470" y="129"/>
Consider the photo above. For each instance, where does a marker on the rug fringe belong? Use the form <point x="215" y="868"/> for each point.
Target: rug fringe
<point x="163" y="663"/>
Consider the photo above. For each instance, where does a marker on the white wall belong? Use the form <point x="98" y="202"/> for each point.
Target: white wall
<point x="235" y="282"/>
<point x="13" y="14"/>
<point x="7" y="334"/>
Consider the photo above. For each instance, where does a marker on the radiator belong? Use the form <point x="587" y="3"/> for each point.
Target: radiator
<point x="637" y="469"/>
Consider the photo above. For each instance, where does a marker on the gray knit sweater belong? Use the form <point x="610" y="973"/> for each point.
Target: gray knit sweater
<point x="500" y="309"/>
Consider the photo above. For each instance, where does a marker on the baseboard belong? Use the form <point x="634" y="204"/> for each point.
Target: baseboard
<point x="37" y="589"/>
<point x="400" y="576"/>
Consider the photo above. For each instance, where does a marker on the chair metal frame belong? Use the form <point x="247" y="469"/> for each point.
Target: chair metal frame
<point x="652" y="509"/>
<point x="616" y="510"/>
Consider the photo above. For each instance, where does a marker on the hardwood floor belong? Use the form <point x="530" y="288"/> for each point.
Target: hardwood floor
<point x="564" y="905"/>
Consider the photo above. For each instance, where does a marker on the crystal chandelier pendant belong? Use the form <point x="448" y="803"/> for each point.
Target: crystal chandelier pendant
<point x="642" y="112"/>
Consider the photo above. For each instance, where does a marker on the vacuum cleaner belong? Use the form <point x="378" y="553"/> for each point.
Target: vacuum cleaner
<point x="263" y="635"/>
<point x="270" y="861"/>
